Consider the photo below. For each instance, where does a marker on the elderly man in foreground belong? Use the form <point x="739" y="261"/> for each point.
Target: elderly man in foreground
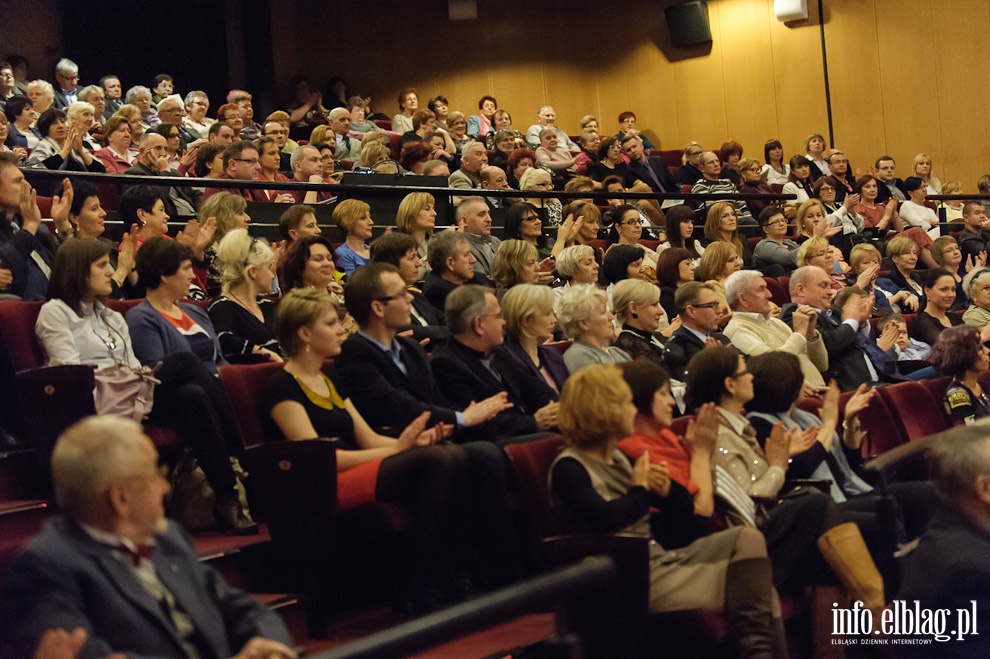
<point x="114" y="567"/>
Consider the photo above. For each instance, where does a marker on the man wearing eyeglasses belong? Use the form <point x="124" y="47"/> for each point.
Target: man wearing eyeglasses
<point x="697" y="305"/>
<point x="710" y="183"/>
<point x="240" y="162"/>
<point x="66" y="83"/>
<point x="153" y="161"/>
<point x="838" y="168"/>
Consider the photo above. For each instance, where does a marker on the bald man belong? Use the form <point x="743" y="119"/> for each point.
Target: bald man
<point x="114" y="566"/>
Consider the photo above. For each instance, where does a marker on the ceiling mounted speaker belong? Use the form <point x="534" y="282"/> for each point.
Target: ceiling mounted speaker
<point x="688" y="24"/>
<point x="790" y="10"/>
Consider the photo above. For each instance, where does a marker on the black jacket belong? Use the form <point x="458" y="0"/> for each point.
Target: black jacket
<point x="681" y="347"/>
<point x="383" y="394"/>
<point x="462" y="378"/>
<point x="846" y="359"/>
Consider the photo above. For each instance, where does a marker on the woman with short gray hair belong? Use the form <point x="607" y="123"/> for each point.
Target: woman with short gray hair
<point x="584" y="316"/>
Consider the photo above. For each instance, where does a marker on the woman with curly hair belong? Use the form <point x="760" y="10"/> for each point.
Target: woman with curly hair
<point x="961" y="353"/>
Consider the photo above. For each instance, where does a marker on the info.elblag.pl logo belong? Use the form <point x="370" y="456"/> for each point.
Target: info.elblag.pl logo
<point x="902" y="623"/>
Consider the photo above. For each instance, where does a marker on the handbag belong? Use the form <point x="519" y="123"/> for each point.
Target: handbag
<point x="125" y="390"/>
<point x="190" y="499"/>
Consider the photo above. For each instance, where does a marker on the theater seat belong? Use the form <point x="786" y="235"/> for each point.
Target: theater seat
<point x="777" y="292"/>
<point x="245" y="385"/>
<point x="384" y="124"/>
<point x="532" y="461"/>
<point x="918" y="414"/>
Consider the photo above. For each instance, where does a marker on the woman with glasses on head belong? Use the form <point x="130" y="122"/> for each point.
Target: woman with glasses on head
<point x="645" y="325"/>
<point x="775" y="171"/>
<point x="540" y="180"/>
<point x="243" y="319"/>
<point x="721" y="225"/>
<point x="523" y="222"/>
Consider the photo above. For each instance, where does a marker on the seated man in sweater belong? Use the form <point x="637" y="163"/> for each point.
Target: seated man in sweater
<point x="710" y="183"/>
<point x="754" y="331"/>
<point x="472" y="365"/>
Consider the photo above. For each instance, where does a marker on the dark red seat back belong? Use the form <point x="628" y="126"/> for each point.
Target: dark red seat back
<point x="245" y="385"/>
<point x="20" y="343"/>
<point x="916" y="412"/>
<point x="532" y="462"/>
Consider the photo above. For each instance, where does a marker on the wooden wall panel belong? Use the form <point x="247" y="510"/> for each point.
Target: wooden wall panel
<point x="760" y="78"/>
<point x="961" y="97"/>
<point x="854" y="77"/>
<point x="747" y="73"/>
<point x="799" y="84"/>
<point x="908" y="82"/>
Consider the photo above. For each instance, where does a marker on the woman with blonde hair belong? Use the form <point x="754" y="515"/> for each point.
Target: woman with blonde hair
<point x="229" y="210"/>
<point x="600" y="489"/>
<point x="718" y="262"/>
<point x="818" y="251"/>
<point x="585" y="317"/>
<point x="923" y="170"/>
<point x="636" y="306"/>
<point x="417" y="216"/>
<point x="416" y="470"/>
<point x="517" y="262"/>
<point x="244" y="323"/>
<point x="354" y="218"/>
<point x="132" y="114"/>
<point x="374" y="153"/>
<point x="953" y="207"/>
<point x="529" y="323"/>
<point x="903" y="286"/>
<point x="721" y="225"/>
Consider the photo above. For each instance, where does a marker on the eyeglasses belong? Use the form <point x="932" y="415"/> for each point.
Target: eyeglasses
<point x="401" y="295"/>
<point x="706" y="305"/>
<point x="818" y="255"/>
<point x="633" y="223"/>
<point x="740" y="374"/>
<point x="532" y="218"/>
<point x="772" y="223"/>
<point x="250" y="161"/>
<point x="826" y="188"/>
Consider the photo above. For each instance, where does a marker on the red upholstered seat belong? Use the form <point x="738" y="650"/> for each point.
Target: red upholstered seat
<point x="395" y="145"/>
<point x="753" y="241"/>
<point x="779" y="294"/>
<point x="598" y="244"/>
<point x="916" y="411"/>
<point x="532" y="462"/>
<point x="384" y="124"/>
<point x="245" y="384"/>
<point x="651" y="244"/>
<point x="881" y="431"/>
<point x="22" y="349"/>
<point x="560" y="346"/>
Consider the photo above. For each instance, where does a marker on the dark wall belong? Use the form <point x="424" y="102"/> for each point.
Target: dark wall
<point x="138" y="40"/>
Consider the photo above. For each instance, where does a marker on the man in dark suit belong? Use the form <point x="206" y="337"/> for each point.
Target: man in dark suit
<point x="451" y="265"/>
<point x="472" y="365"/>
<point x="390" y="383"/>
<point x="949" y="568"/>
<point x="114" y="566"/>
<point x="651" y="170"/>
<point x="388" y="377"/>
<point x="66" y="85"/>
<point x="426" y="321"/>
<point x="697" y="305"/>
<point x="848" y="361"/>
<point x="890" y="186"/>
<point x="27" y="247"/>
